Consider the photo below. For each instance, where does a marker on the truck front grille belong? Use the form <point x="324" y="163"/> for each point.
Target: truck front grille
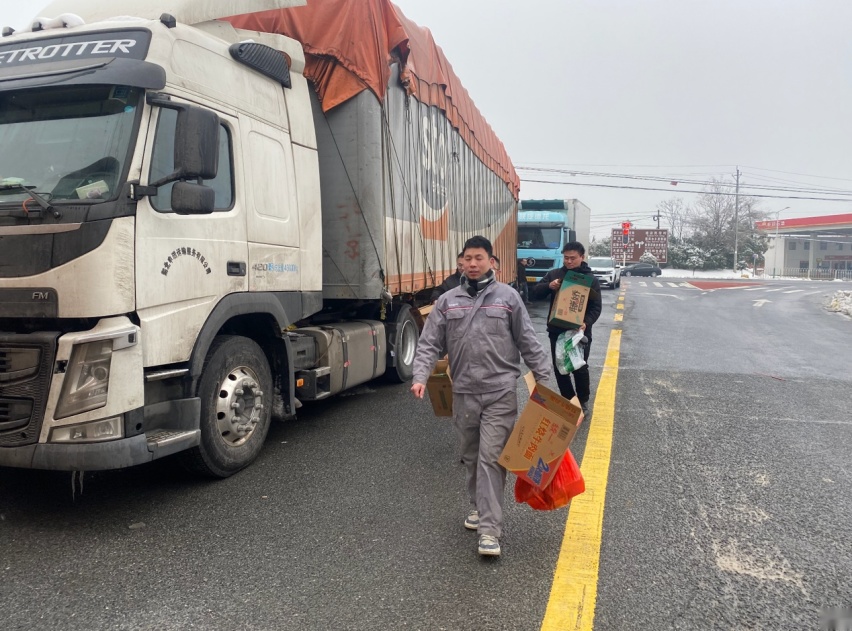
<point x="546" y="264"/>
<point x="18" y="363"/>
<point x="15" y="414"/>
<point x="26" y="364"/>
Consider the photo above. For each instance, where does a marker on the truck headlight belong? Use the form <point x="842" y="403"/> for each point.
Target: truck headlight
<point x="92" y="432"/>
<point x="86" y="379"/>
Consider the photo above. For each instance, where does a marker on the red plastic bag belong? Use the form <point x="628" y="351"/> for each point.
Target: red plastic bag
<point x="566" y="484"/>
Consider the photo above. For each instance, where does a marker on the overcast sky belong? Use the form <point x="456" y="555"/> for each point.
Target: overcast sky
<point x="676" y="89"/>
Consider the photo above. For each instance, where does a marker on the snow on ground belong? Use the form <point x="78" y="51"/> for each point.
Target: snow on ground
<point x="726" y="274"/>
<point x="841" y="302"/>
<point x="715" y="273"/>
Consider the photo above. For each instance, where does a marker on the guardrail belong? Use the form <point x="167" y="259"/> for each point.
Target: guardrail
<point x="809" y="274"/>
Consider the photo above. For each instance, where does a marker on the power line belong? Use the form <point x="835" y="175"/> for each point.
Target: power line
<point x="653" y="178"/>
<point x="778" y="180"/>
<point x="821" y="177"/>
<point x="681" y="191"/>
<point x="642" y="166"/>
<point x="727" y="167"/>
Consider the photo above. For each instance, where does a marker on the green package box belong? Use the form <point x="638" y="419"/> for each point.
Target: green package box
<point x="569" y="307"/>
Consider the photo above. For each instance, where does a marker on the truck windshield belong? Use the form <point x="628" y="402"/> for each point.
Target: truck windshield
<point x="536" y="238"/>
<point x="65" y="143"/>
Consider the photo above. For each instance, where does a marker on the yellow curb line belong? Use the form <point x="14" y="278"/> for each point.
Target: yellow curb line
<point x="575" y="582"/>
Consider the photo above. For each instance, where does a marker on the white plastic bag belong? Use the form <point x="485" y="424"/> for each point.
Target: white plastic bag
<point x="569" y="353"/>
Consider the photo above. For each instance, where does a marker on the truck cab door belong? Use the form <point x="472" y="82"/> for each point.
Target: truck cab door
<point x="185" y="264"/>
<point x="272" y="214"/>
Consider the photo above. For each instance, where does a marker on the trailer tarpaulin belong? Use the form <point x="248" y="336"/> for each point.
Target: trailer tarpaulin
<point x="409" y="168"/>
<point x="349" y="46"/>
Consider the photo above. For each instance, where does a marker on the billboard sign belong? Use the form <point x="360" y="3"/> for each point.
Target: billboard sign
<point x="638" y="241"/>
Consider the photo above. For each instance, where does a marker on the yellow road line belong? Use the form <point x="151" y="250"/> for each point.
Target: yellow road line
<point x="620" y="305"/>
<point x="575" y="582"/>
<point x="619" y="317"/>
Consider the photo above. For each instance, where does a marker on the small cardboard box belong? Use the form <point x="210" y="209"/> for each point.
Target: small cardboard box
<point x="541" y="436"/>
<point x="569" y="306"/>
<point x="440" y="389"/>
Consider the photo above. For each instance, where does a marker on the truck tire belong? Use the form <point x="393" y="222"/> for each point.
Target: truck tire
<point x="403" y="344"/>
<point x="236" y="404"/>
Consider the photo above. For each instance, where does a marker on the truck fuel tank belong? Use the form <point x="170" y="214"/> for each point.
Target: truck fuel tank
<point x="348" y="354"/>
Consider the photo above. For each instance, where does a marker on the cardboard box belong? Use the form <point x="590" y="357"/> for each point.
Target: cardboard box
<point x="569" y="306"/>
<point x="440" y="389"/>
<point x="542" y="435"/>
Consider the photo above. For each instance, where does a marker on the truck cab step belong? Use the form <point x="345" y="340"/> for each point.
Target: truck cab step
<point x="164" y="442"/>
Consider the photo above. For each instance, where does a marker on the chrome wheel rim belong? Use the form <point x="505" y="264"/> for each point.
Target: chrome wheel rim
<point x="408" y="341"/>
<point x="239" y="406"/>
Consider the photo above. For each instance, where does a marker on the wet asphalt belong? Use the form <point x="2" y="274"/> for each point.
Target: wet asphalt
<point x="728" y="503"/>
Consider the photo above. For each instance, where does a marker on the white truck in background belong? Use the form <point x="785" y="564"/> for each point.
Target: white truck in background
<point x="192" y="240"/>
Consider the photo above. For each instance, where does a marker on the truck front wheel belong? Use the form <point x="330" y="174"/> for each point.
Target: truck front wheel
<point x="236" y="395"/>
<point x="404" y="339"/>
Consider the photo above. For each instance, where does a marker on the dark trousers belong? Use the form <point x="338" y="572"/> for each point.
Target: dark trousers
<point x="581" y="376"/>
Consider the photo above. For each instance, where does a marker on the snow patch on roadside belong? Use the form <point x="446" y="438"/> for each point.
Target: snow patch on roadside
<point x="760" y="566"/>
<point x="841" y="302"/>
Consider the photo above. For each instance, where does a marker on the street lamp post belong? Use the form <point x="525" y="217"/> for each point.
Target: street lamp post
<point x="777" y="220"/>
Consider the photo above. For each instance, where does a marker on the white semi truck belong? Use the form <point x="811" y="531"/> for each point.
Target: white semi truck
<point x="204" y="226"/>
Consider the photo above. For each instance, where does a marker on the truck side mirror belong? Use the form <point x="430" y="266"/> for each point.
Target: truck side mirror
<point x="196" y="143"/>
<point x="189" y="198"/>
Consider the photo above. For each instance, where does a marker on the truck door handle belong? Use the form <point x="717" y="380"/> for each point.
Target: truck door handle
<point x="236" y="268"/>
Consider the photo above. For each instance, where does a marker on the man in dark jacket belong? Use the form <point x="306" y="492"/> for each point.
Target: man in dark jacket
<point x="523" y="288"/>
<point x="573" y="259"/>
<point x="450" y="282"/>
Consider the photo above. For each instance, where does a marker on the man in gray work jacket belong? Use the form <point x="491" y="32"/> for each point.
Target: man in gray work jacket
<point x="485" y="328"/>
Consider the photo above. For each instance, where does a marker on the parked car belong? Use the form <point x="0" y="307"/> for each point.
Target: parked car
<point x="606" y="270"/>
<point x="641" y="269"/>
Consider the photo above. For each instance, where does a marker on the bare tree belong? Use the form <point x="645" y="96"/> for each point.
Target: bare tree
<point x="714" y="216"/>
<point x="677" y="215"/>
<point x="713" y="221"/>
<point x="600" y="248"/>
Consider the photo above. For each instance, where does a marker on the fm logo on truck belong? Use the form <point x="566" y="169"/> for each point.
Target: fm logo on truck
<point x="190" y="252"/>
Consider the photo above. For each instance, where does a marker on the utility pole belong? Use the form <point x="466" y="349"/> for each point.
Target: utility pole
<point x="736" y="219"/>
<point x="657" y="218"/>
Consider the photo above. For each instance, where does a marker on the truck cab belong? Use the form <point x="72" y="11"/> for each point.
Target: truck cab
<point x="544" y="227"/>
<point x="541" y="235"/>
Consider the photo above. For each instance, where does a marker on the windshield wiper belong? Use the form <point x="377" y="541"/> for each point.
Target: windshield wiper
<point x="38" y="199"/>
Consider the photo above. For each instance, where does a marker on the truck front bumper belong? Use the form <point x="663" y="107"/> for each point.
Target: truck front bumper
<point x="167" y="428"/>
<point x="114" y="454"/>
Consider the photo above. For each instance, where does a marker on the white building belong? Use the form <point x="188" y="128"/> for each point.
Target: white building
<point x="819" y="247"/>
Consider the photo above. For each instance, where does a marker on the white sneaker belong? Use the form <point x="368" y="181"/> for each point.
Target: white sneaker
<point x="489" y="546"/>
<point x="471" y="522"/>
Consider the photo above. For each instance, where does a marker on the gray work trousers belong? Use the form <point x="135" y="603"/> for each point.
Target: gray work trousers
<point x="484" y="422"/>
